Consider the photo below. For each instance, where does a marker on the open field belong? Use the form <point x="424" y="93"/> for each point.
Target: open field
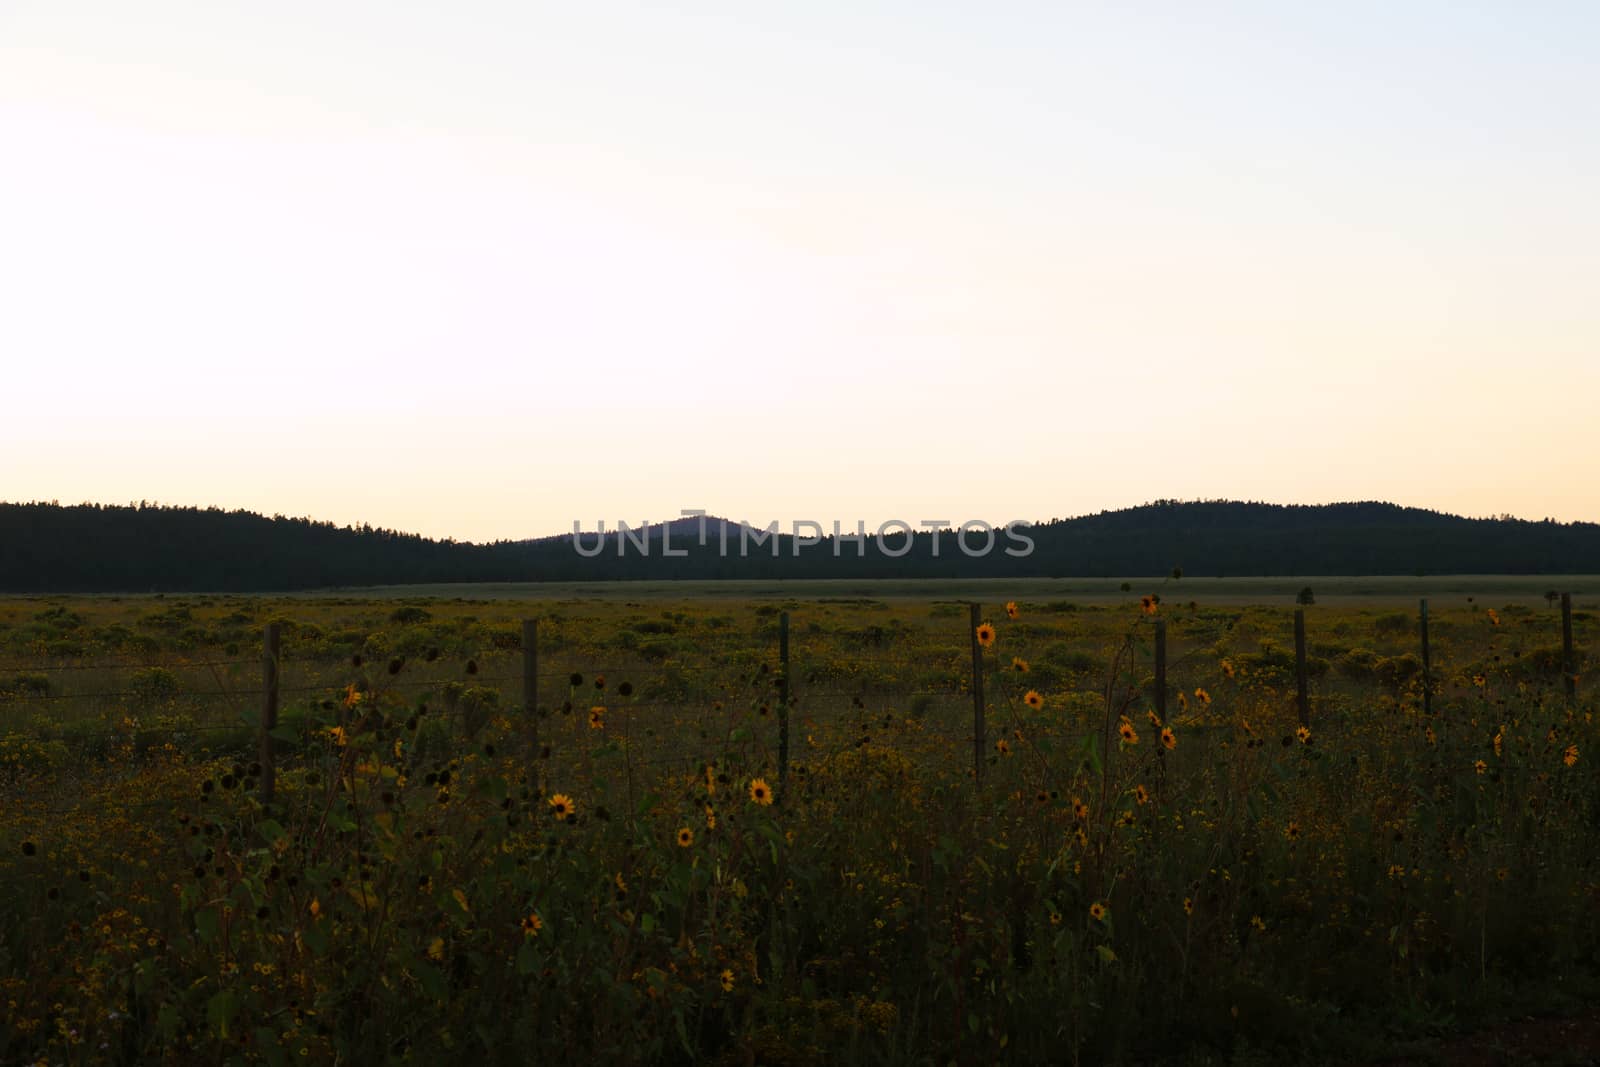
<point x="634" y="873"/>
<point x="1372" y="591"/>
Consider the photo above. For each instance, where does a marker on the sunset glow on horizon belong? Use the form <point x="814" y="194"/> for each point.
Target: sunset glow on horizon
<point x="481" y="271"/>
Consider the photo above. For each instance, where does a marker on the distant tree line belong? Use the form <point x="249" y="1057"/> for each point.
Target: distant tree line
<point x="141" y="548"/>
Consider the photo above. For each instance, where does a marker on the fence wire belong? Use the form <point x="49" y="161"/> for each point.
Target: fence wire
<point x="737" y="689"/>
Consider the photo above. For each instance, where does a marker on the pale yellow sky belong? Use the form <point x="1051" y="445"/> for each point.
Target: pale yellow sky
<point x="485" y="270"/>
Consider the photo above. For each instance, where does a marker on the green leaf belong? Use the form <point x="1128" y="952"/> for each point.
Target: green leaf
<point x="431" y="979"/>
<point x="206" y="924"/>
<point x="1105" y="953"/>
<point x="683" y="1034"/>
<point x="267" y="1044"/>
<point x="527" y="958"/>
<point x="647" y="923"/>
<point x="1091" y="752"/>
<point x="220" y="1010"/>
<point x="271" y="831"/>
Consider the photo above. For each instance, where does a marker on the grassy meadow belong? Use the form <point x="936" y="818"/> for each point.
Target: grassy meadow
<point x="630" y="874"/>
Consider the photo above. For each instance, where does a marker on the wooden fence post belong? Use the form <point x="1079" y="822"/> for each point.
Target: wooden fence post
<point x="1569" y="660"/>
<point x="1302" y="701"/>
<point x="978" y="744"/>
<point x="530" y="693"/>
<point x="1427" y="661"/>
<point x="783" y="702"/>
<point x="269" y="709"/>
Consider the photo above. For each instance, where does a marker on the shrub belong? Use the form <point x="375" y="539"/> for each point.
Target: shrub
<point x="1393" y="622"/>
<point x="409" y="615"/>
<point x="153" y="685"/>
<point x="26" y="685"/>
<point x="1358" y="663"/>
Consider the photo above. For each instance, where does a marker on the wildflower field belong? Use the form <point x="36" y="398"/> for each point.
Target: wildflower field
<point x="638" y="870"/>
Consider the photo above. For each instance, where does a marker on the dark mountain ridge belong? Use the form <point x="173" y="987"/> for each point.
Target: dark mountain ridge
<point x="142" y="548"/>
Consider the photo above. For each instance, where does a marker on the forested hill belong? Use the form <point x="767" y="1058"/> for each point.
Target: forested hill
<point x="91" y="548"/>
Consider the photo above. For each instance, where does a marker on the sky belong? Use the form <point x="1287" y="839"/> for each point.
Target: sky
<point x="483" y="269"/>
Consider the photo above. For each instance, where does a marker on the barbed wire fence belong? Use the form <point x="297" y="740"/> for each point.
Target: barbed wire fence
<point x="240" y="700"/>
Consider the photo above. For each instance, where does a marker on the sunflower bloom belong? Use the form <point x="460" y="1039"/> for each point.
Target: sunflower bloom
<point x="985" y="634"/>
<point x="1001" y="747"/>
<point x="727" y="980"/>
<point x="1203" y="697"/>
<point x="1303" y="734"/>
<point x="597" y="717"/>
<point x="1570" y="755"/>
<point x="1169" y="740"/>
<point x="1141" y="795"/>
<point x="1097" y="911"/>
<point x="1227" y="668"/>
<point x="1292" y="830"/>
<point x="1129" y="735"/>
<point x="685" y="837"/>
<point x="1481" y="767"/>
<point x="1019" y="664"/>
<point x="532" y="924"/>
<point x="760" y="792"/>
<point x="1080" y="810"/>
<point x="1011" y="609"/>
<point x="1033" y="700"/>
<point x="562" y="806"/>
